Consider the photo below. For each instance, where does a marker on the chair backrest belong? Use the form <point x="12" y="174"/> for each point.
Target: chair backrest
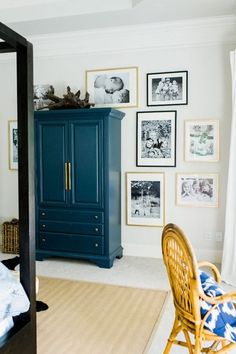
<point x="181" y="265"/>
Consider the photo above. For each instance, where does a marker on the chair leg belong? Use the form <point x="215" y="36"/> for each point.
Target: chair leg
<point x="188" y="341"/>
<point x="175" y="331"/>
<point x="198" y="346"/>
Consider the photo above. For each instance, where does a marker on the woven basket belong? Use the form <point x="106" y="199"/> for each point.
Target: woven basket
<point x="10" y="236"/>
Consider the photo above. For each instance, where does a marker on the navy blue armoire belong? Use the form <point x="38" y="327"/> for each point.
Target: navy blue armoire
<point x="78" y="178"/>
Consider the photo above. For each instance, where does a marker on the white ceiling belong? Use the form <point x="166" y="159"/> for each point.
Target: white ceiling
<point x="32" y="17"/>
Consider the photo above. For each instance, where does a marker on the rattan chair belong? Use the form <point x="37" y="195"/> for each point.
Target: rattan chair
<point x="182" y="269"/>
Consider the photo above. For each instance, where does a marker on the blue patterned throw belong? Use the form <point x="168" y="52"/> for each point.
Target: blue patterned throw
<point x="222" y="320"/>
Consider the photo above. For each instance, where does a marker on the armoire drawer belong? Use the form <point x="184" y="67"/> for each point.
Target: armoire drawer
<point x="96" y="217"/>
<point x="71" y="227"/>
<point x="71" y="243"/>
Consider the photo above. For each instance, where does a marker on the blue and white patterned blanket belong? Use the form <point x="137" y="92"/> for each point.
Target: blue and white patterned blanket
<point x="222" y="320"/>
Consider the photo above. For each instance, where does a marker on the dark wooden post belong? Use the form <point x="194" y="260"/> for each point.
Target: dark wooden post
<point x="22" y="338"/>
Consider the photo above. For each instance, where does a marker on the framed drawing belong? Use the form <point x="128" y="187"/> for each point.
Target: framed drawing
<point x="198" y="190"/>
<point x="115" y="87"/>
<point x="202" y="140"/>
<point x="167" y="88"/>
<point x="13" y="144"/>
<point x="145" y="199"/>
<point x="156" y="138"/>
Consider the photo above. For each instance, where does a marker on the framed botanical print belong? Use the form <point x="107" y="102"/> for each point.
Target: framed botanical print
<point x="167" y="88"/>
<point x="156" y="138"/>
<point x="115" y="87"/>
<point x="198" y="190"/>
<point x="202" y="140"/>
<point x="145" y="199"/>
<point x="13" y="144"/>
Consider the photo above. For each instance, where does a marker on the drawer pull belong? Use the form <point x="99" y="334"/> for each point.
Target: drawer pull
<point x="43" y="214"/>
<point x="96" y="229"/>
<point x="96" y="217"/>
<point x="96" y="244"/>
<point x="43" y="225"/>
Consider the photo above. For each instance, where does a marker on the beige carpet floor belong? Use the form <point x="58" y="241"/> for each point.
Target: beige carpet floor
<point x="92" y="318"/>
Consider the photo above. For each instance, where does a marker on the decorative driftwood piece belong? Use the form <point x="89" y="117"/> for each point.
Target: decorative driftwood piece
<point x="69" y="100"/>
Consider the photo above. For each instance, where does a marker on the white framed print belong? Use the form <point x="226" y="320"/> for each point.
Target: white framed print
<point x="202" y="140"/>
<point x="145" y="199"/>
<point x="13" y="144"/>
<point x="113" y="87"/>
<point x="156" y="138"/>
<point x="198" y="190"/>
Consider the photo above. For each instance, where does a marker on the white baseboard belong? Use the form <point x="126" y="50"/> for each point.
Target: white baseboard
<point x="140" y="250"/>
<point x="151" y="251"/>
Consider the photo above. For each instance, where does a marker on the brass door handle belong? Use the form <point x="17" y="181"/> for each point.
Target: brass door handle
<point x="66" y="176"/>
<point x="69" y="175"/>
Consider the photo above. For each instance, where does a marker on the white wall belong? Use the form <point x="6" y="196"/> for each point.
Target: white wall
<point x="202" y="48"/>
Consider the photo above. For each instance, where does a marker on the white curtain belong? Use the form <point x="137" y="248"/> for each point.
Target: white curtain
<point x="228" y="272"/>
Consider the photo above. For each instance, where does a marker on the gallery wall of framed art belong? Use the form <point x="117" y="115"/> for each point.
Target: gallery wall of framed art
<point x="151" y="49"/>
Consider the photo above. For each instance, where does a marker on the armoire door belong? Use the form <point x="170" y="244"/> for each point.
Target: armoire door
<point x="51" y="163"/>
<point x="86" y="157"/>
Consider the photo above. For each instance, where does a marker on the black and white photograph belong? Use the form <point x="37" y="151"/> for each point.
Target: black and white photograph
<point x="167" y="88"/>
<point x="156" y="138"/>
<point x="40" y="99"/>
<point x="145" y="199"/>
<point x="117" y="87"/>
<point x="202" y="140"/>
<point x="199" y="190"/>
<point x="13" y="144"/>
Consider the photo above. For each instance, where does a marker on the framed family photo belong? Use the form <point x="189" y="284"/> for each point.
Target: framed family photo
<point x="115" y="87"/>
<point x="167" y="88"/>
<point x="13" y="144"/>
<point x="199" y="190"/>
<point x="145" y="199"/>
<point x="202" y="140"/>
<point x="156" y="138"/>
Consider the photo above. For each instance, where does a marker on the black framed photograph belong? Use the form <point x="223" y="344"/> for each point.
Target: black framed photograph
<point x="113" y="87"/>
<point x="167" y="88"/>
<point x="145" y="199"/>
<point x="156" y="138"/>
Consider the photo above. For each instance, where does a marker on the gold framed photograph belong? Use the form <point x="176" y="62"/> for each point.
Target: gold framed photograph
<point x="202" y="140"/>
<point x="198" y="190"/>
<point x="115" y="87"/>
<point x="13" y="144"/>
<point x="145" y="199"/>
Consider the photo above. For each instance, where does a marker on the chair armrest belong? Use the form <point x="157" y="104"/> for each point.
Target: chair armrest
<point x="231" y="296"/>
<point x="215" y="301"/>
<point x="213" y="268"/>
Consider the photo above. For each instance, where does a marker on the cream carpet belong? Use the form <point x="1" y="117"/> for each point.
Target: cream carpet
<point x="92" y="318"/>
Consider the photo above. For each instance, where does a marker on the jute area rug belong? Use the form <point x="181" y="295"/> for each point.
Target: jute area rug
<point x="91" y="318"/>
